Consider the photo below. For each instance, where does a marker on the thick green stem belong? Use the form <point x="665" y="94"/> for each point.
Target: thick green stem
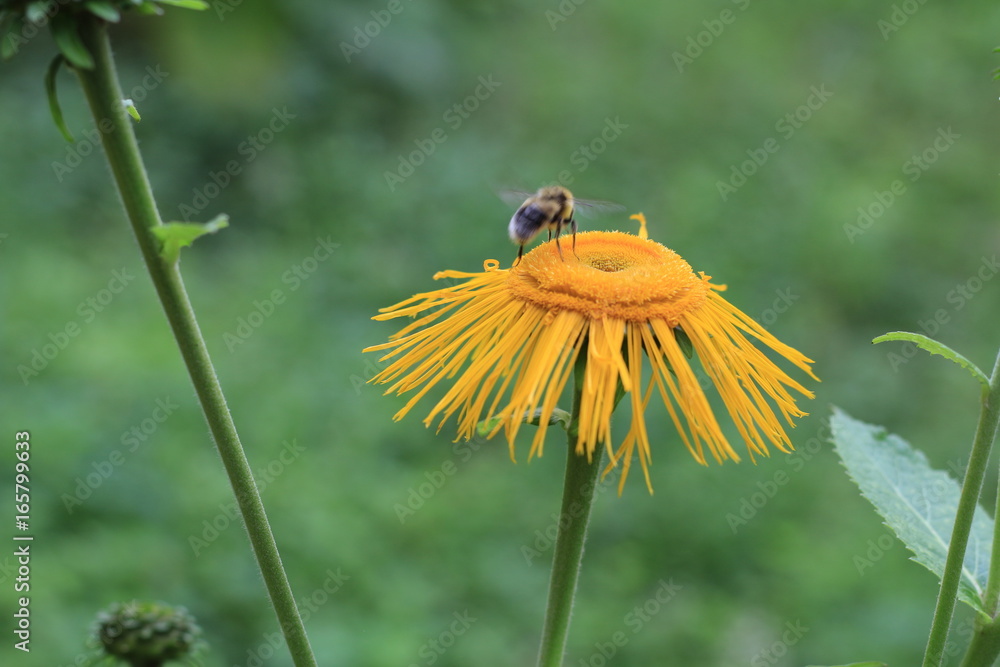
<point x="984" y="647"/>
<point x="988" y="423"/>
<point x="578" y="497"/>
<point x="986" y="432"/>
<point x="105" y="99"/>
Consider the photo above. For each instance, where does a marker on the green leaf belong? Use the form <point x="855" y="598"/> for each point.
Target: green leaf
<point x="561" y="417"/>
<point x="50" y="91"/>
<point x="485" y="427"/>
<point x="687" y="347"/>
<point x="149" y="7"/>
<point x="934" y="347"/>
<point x="68" y="40"/>
<point x="10" y="24"/>
<point x="103" y="9"/>
<point x="176" y="235"/>
<point x="873" y="663"/>
<point x="186" y="4"/>
<point x="916" y="501"/>
<point x="130" y="108"/>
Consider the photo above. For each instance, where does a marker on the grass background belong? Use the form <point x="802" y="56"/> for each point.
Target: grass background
<point x="565" y="70"/>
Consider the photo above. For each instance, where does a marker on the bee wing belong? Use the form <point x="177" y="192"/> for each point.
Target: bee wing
<point x="514" y="198"/>
<point x="592" y="207"/>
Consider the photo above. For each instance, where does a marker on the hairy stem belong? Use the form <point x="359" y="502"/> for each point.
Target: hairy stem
<point x="578" y="497"/>
<point x="982" y="443"/>
<point x="105" y="100"/>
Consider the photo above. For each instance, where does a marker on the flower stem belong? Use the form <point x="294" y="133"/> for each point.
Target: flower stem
<point x="984" y="647"/>
<point x="105" y="100"/>
<point x="578" y="497"/>
<point x="989" y="420"/>
<point x="986" y="432"/>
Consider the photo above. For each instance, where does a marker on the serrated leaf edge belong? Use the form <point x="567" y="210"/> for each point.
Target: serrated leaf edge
<point x="967" y="576"/>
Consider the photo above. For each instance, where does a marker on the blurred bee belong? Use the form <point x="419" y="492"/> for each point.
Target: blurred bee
<point x="551" y="209"/>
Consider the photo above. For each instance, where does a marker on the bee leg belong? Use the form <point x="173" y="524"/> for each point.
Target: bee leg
<point x="572" y="225"/>
<point x="558" y="247"/>
<point x="520" y="251"/>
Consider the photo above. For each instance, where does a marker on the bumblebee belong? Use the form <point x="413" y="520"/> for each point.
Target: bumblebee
<point x="551" y="209"/>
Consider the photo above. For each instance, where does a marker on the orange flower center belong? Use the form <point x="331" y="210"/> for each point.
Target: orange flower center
<point x="612" y="275"/>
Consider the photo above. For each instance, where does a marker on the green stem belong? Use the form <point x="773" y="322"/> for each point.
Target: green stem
<point x="986" y="432"/>
<point x="984" y="647"/>
<point x="988" y="423"/>
<point x="105" y="99"/>
<point x="578" y="497"/>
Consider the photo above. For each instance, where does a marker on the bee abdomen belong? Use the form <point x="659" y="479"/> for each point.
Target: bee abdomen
<point x="526" y="223"/>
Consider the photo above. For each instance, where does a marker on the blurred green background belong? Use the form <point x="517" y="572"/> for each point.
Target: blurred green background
<point x="694" y="91"/>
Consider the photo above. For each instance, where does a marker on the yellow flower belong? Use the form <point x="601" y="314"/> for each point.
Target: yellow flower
<point x="515" y="334"/>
